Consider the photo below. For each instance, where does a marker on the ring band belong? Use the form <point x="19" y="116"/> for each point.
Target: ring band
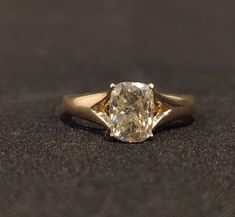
<point x="129" y="110"/>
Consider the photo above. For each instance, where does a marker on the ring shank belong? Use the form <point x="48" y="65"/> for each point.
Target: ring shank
<point x="80" y="105"/>
<point x="180" y="106"/>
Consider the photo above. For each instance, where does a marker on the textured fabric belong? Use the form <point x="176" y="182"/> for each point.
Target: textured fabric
<point x="52" y="166"/>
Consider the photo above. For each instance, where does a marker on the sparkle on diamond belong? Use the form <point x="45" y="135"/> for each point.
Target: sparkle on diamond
<point x="131" y="111"/>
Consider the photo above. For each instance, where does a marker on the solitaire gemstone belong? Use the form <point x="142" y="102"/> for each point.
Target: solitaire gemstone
<point x="131" y="111"/>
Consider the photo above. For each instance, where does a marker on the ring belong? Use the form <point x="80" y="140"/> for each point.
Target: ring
<point x="129" y="110"/>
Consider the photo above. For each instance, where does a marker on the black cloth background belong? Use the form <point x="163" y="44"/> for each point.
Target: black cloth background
<point x="51" y="48"/>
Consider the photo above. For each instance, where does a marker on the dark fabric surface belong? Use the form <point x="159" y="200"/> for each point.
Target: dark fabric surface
<point x="51" y="48"/>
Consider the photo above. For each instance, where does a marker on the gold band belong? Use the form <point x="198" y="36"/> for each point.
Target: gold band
<point x="129" y="110"/>
<point x="81" y="106"/>
<point x="171" y="107"/>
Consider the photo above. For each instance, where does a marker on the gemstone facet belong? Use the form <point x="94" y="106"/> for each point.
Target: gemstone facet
<point x="131" y="111"/>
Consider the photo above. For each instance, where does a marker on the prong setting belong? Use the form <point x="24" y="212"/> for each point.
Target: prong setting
<point x="151" y="86"/>
<point x="112" y="86"/>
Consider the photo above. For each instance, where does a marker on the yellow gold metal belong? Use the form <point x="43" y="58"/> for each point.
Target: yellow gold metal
<point x="172" y="107"/>
<point x="112" y="85"/>
<point x="95" y="107"/>
<point x="151" y="85"/>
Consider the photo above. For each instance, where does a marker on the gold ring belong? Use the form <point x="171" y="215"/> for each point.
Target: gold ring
<point x="129" y="110"/>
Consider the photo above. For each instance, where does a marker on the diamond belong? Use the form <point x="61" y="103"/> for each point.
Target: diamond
<point x="131" y="111"/>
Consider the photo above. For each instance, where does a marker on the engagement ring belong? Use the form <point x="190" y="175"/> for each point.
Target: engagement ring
<point x="129" y="110"/>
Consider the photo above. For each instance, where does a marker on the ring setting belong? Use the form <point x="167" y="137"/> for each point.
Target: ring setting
<point x="129" y="110"/>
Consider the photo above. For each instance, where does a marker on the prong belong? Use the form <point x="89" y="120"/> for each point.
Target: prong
<point x="112" y="85"/>
<point x="151" y="86"/>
